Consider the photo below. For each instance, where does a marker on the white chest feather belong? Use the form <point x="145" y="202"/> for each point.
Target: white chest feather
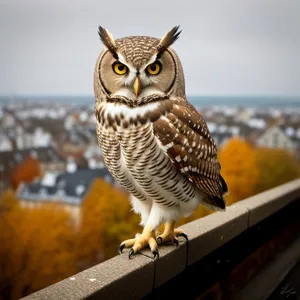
<point x="117" y="109"/>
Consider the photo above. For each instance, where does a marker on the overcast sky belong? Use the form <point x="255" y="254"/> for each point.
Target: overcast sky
<point x="227" y="47"/>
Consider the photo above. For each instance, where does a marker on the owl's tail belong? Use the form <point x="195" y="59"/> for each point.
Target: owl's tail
<point x="217" y="202"/>
<point x="224" y="185"/>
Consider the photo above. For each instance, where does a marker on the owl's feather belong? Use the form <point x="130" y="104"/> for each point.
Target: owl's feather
<point x="108" y="40"/>
<point x="168" y="39"/>
<point x="185" y="138"/>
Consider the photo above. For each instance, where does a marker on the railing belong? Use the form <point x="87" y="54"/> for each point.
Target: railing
<point x="222" y="248"/>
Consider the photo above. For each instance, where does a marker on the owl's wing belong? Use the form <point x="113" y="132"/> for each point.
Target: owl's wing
<point x="184" y="136"/>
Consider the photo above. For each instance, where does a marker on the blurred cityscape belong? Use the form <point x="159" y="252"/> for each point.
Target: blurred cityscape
<point x="61" y="138"/>
<point x="56" y="193"/>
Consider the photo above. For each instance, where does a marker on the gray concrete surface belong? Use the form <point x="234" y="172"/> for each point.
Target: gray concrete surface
<point x="267" y="203"/>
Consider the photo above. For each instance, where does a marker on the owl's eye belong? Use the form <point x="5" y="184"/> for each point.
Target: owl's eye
<point x="119" y="68"/>
<point x="154" y="68"/>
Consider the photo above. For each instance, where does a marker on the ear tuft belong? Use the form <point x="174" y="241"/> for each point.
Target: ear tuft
<point x="168" y="39"/>
<point x="107" y="39"/>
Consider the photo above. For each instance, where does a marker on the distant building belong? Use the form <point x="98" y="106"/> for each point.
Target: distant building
<point x="50" y="161"/>
<point x="93" y="154"/>
<point x="257" y="123"/>
<point x="7" y="119"/>
<point x="275" y="137"/>
<point x="37" y="137"/>
<point x="67" y="189"/>
<point x="221" y="138"/>
<point x="244" y="116"/>
<point x="5" y="143"/>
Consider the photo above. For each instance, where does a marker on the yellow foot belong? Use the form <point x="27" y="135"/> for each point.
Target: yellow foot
<point x="170" y="234"/>
<point x="145" y="239"/>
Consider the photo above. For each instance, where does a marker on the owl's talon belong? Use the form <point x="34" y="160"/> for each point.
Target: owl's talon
<point x="121" y="247"/>
<point x="175" y="241"/>
<point x="170" y="234"/>
<point x="144" y="240"/>
<point x="159" y="240"/>
<point x="155" y="254"/>
<point x="130" y="254"/>
<point x="148" y="240"/>
<point x="182" y="234"/>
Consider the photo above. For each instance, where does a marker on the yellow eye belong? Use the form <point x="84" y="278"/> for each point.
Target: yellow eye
<point x="119" y="68"/>
<point x="154" y="68"/>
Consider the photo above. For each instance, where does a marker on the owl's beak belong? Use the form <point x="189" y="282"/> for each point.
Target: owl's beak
<point x="137" y="86"/>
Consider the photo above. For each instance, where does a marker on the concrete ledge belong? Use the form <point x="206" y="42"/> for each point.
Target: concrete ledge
<point x="212" y="231"/>
<point x="171" y="262"/>
<point x="116" y="278"/>
<point x="121" y="278"/>
<point x="267" y="203"/>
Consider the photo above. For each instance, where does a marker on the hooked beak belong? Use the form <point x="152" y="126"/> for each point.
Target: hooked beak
<point x="137" y="86"/>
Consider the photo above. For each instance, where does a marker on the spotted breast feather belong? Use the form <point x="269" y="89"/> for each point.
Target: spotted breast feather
<point x="184" y="136"/>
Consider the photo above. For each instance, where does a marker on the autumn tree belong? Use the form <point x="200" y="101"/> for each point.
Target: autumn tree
<point x="239" y="169"/>
<point x="8" y="201"/>
<point x="26" y="171"/>
<point x="107" y="220"/>
<point x="276" y="167"/>
<point x="37" y="249"/>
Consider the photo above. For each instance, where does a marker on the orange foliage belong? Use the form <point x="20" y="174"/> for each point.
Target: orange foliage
<point x="26" y="171"/>
<point x="276" y="166"/>
<point x="107" y="220"/>
<point x="41" y="246"/>
<point x="8" y="201"/>
<point x="239" y="169"/>
<point x="37" y="249"/>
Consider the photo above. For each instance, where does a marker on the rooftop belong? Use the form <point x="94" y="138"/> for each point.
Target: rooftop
<point x="68" y="188"/>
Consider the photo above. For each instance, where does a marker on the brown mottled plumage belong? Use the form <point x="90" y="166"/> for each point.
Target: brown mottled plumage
<point x="154" y="142"/>
<point x="143" y="46"/>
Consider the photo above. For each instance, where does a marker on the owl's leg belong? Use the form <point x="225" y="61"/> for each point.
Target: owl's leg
<point x="141" y="207"/>
<point x="146" y="238"/>
<point x="171" y="234"/>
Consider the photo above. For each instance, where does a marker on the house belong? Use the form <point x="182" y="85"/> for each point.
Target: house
<point x="275" y="137"/>
<point x="7" y="119"/>
<point x="50" y="161"/>
<point x="66" y="188"/>
<point x="36" y="137"/>
<point x="93" y="154"/>
<point x="244" y="115"/>
<point x="5" y="143"/>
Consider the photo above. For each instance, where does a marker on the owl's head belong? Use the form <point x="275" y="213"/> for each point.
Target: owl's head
<point x="137" y="70"/>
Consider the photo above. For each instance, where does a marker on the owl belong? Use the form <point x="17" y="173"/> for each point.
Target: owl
<point x="154" y="142"/>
